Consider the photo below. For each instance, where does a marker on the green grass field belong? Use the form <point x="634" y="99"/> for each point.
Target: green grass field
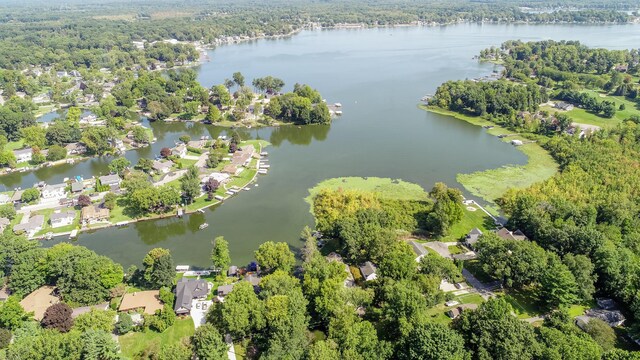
<point x="385" y="187"/>
<point x="585" y="117"/>
<point x="133" y="344"/>
<point x="493" y="183"/>
<point x="470" y="220"/>
<point x="438" y="313"/>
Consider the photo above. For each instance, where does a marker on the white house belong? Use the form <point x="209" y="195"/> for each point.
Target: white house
<point x="179" y="151"/>
<point x="23" y="155"/>
<point x="162" y="167"/>
<point x="63" y="218"/>
<point x="56" y="191"/>
<point x="31" y="227"/>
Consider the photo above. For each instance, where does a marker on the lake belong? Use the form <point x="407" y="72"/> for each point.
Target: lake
<point x="378" y="75"/>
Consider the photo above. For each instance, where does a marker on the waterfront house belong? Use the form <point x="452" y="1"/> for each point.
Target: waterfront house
<point x="162" y="167"/>
<point x="75" y="148"/>
<point x="55" y="191"/>
<point x="23" y="155"/>
<point x="179" y="151"/>
<point x="243" y="156"/>
<point x="186" y="291"/>
<point x="93" y="214"/>
<point x="4" y="222"/>
<point x="233" y="271"/>
<point x="145" y="301"/>
<point x="112" y="180"/>
<point x="77" y="187"/>
<point x="231" y="169"/>
<point x="472" y="238"/>
<point x="17" y="196"/>
<point x="4" y="198"/>
<point x="31" y="227"/>
<point x="368" y="271"/>
<point x="418" y="249"/>
<point x="217" y="176"/>
<point x="196" y="144"/>
<point x="62" y="218"/>
<point x="504" y="233"/>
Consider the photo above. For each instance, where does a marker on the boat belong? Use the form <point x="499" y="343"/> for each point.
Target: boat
<point x="201" y="211"/>
<point x="73" y="234"/>
<point x="48" y="235"/>
<point x="203" y="226"/>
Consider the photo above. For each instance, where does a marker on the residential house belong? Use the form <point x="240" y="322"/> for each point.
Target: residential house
<point x="197" y="144"/>
<point x="17" y="196"/>
<point x="4" y="222"/>
<point x="179" y="151"/>
<point x="85" y="309"/>
<point x="31" y="227"/>
<point x="162" y="167"/>
<point x="112" y="180"/>
<point x="4" y="198"/>
<point x="233" y="271"/>
<point x="75" y="149"/>
<point x="93" y="214"/>
<point x="77" y="187"/>
<point x="509" y="235"/>
<point x="186" y="291"/>
<point x="242" y="157"/>
<point x="217" y="176"/>
<point x="147" y="301"/>
<point x="39" y="300"/>
<point x="472" y="238"/>
<point x="55" y="191"/>
<point x="224" y="290"/>
<point x="23" y="155"/>
<point x="118" y="144"/>
<point x="254" y="280"/>
<point x="231" y="169"/>
<point x="62" y="218"/>
<point x="368" y="271"/>
<point x="612" y="317"/>
<point x="564" y="106"/>
<point x="418" y="249"/>
<point x="455" y="312"/>
<point x="607" y="304"/>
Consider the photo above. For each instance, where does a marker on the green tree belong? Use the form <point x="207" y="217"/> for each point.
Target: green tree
<point x="8" y="211"/>
<point x="34" y="136"/>
<point x="399" y="264"/>
<point x="12" y="315"/>
<point x="124" y="324"/>
<point x="356" y="339"/>
<point x="110" y="200"/>
<point x="95" y="319"/>
<point x="158" y="268"/>
<point x="323" y="350"/>
<point x="140" y="135"/>
<point x="56" y="152"/>
<point x="433" y="264"/>
<point x="30" y="196"/>
<point x="208" y="343"/>
<point x="175" y="352"/>
<point x="119" y="165"/>
<point x="213" y="114"/>
<point x="583" y="271"/>
<point x="220" y="254"/>
<point x="491" y="332"/>
<point x="73" y="115"/>
<point x="432" y="342"/>
<point x="144" y="165"/>
<point x="5" y="338"/>
<point x="190" y="185"/>
<point x="241" y="313"/>
<point x="238" y="79"/>
<point x="98" y="345"/>
<point x="273" y="256"/>
<point x="558" y="286"/>
<point x="58" y="316"/>
<point x="602" y="333"/>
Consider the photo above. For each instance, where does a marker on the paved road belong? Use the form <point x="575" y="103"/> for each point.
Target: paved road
<point x="441" y="248"/>
<point x="484" y="290"/>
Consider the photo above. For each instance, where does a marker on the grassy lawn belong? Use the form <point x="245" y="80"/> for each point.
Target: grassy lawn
<point x="492" y="184"/>
<point x="474" y="267"/>
<point x="455" y="249"/>
<point x="438" y="313"/>
<point x="14" y="145"/>
<point x="185" y="163"/>
<point x="385" y="187"/>
<point x="470" y="219"/>
<point x="47" y="226"/>
<point x="585" y="117"/>
<point x="523" y="303"/>
<point x="133" y="344"/>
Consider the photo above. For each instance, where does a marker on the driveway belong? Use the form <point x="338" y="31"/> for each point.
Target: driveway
<point x="199" y="310"/>
<point x="485" y="290"/>
<point x="441" y="248"/>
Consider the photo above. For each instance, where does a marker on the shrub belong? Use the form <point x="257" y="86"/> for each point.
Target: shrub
<point x="58" y="316"/>
<point x="5" y="338"/>
<point x="30" y="195"/>
<point x="124" y="324"/>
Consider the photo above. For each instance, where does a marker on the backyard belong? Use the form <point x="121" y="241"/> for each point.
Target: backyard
<point x="133" y="344"/>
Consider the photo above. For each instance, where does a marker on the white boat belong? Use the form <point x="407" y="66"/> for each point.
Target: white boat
<point x="201" y="211"/>
<point x="73" y="234"/>
<point x="48" y="235"/>
<point x="203" y="226"/>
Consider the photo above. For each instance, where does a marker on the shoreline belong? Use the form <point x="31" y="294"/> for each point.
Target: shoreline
<point x="491" y="184"/>
<point x="186" y="210"/>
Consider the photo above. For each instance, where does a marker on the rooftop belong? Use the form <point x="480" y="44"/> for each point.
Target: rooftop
<point x="149" y="301"/>
<point x="62" y="215"/>
<point x="187" y="290"/>
<point x="39" y="300"/>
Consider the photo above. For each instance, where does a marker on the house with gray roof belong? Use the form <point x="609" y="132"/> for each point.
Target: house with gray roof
<point x="418" y="249"/>
<point x="224" y="290"/>
<point x="186" y="291"/>
<point x="23" y="155"/>
<point x="472" y="238"/>
<point x="62" y="218"/>
<point x="77" y="187"/>
<point x="31" y="227"/>
<point x="110" y="180"/>
<point x="368" y="271"/>
<point x="4" y="222"/>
